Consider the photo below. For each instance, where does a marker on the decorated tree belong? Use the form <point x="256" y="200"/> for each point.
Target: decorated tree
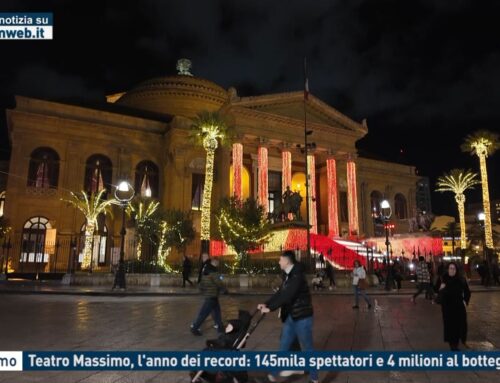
<point x="175" y="230"/>
<point x="144" y="213"/>
<point x="243" y="225"/>
<point x="457" y="182"/>
<point x="483" y="144"/>
<point x="208" y="130"/>
<point x="91" y="207"/>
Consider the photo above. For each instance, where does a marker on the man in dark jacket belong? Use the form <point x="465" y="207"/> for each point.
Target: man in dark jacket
<point x="211" y="286"/>
<point x="296" y="312"/>
<point x="205" y="260"/>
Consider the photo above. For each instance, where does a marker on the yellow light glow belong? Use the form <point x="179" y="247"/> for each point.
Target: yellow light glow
<point x="245" y="182"/>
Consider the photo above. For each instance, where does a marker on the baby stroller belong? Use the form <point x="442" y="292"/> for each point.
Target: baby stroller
<point x="234" y="338"/>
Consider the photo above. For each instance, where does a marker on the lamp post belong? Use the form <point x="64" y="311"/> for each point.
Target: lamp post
<point x="123" y="194"/>
<point x="386" y="212"/>
<point x="481" y="217"/>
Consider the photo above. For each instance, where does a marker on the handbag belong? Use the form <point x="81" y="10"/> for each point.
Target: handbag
<point x="362" y="284"/>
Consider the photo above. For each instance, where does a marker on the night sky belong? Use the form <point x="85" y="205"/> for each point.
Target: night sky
<point x="423" y="73"/>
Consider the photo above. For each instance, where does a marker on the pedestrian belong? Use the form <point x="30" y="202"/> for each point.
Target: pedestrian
<point x="211" y="286"/>
<point x="454" y="295"/>
<point x="296" y="312"/>
<point x="317" y="282"/>
<point x="186" y="271"/>
<point x="205" y="260"/>
<point x="396" y="275"/>
<point x="423" y="279"/>
<point x="321" y="261"/>
<point x="330" y="274"/>
<point x="359" y="283"/>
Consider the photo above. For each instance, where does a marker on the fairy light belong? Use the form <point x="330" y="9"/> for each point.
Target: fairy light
<point x="263" y="177"/>
<point x="311" y="170"/>
<point x="210" y="144"/>
<point x="333" y="220"/>
<point x="352" y="198"/>
<point x="481" y="147"/>
<point x="237" y="169"/>
<point x="286" y="168"/>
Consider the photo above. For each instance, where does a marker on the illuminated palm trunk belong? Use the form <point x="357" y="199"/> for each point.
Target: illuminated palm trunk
<point x="138" y="248"/>
<point x="87" y="250"/>
<point x="460" y="198"/>
<point x="210" y="146"/>
<point x="162" y="251"/>
<point x="486" y="201"/>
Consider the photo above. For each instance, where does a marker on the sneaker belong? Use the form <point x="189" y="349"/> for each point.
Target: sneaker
<point x="216" y="326"/>
<point x="314" y="381"/>
<point x="330" y="288"/>
<point x="355" y="307"/>
<point x="196" y="331"/>
<point x="286" y="374"/>
<point x="271" y="378"/>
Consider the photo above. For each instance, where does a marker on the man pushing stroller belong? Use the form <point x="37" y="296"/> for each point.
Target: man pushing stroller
<point x="296" y="312"/>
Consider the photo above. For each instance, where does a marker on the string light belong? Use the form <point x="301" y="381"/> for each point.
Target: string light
<point x="311" y="170"/>
<point x="210" y="144"/>
<point x="263" y="177"/>
<point x="352" y="198"/>
<point x="333" y="220"/>
<point x="286" y="167"/>
<point x="481" y="147"/>
<point x="237" y="169"/>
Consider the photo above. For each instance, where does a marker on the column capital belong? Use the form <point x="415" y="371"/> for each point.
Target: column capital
<point x="263" y="141"/>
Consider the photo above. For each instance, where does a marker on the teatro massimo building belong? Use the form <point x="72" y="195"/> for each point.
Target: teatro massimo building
<point x="142" y="135"/>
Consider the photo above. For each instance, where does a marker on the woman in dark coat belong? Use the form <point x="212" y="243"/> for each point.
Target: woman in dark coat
<point x="454" y="295"/>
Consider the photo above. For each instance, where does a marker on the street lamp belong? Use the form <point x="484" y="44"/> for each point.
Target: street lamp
<point x="123" y="194"/>
<point x="386" y="212"/>
<point x="481" y="217"/>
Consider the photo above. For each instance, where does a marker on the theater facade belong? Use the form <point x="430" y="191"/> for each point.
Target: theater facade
<point x="141" y="135"/>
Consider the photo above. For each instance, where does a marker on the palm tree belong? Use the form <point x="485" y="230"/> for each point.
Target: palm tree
<point x="143" y="211"/>
<point x="458" y="181"/>
<point x="483" y="144"/>
<point x="207" y="130"/>
<point x="91" y="207"/>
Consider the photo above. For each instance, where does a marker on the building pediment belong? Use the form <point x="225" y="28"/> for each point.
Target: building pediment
<point x="291" y="105"/>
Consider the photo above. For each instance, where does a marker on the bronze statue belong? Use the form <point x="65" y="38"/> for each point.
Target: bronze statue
<point x="290" y="204"/>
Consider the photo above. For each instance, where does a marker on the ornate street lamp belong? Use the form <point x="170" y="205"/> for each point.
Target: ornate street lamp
<point x="481" y="218"/>
<point x="386" y="212"/>
<point x="123" y="194"/>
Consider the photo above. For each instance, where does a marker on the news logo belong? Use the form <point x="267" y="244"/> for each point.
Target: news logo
<point x="26" y="26"/>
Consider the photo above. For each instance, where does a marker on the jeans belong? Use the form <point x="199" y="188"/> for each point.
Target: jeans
<point x="210" y="306"/>
<point x="358" y="292"/>
<point x="302" y="330"/>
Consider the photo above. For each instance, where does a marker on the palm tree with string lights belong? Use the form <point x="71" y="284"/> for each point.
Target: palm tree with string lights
<point x="91" y="207"/>
<point x="458" y="181"/>
<point x="483" y="143"/>
<point x="209" y="129"/>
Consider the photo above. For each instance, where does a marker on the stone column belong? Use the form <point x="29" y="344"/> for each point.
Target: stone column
<point x="352" y="198"/>
<point x="311" y="171"/>
<point x="263" y="168"/>
<point x="237" y="169"/>
<point x="286" y="170"/>
<point x="333" y="213"/>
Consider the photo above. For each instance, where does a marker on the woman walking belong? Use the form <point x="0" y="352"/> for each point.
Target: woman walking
<point x="359" y="283"/>
<point x="454" y="295"/>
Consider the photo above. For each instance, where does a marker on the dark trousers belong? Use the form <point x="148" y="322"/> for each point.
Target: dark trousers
<point x="428" y="290"/>
<point x="185" y="278"/>
<point x="209" y="306"/>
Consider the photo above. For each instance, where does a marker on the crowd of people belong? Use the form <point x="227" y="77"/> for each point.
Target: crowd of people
<point x="447" y="287"/>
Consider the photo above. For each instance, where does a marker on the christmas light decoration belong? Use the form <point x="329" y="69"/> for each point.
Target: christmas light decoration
<point x="237" y="168"/>
<point x="311" y="170"/>
<point x="91" y="207"/>
<point x="263" y="178"/>
<point x="286" y="168"/>
<point x="333" y="219"/>
<point x="142" y="212"/>
<point x="352" y="198"/>
<point x="458" y="181"/>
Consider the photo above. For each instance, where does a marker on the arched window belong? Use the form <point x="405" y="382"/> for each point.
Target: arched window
<point x="44" y="168"/>
<point x="400" y="206"/>
<point x="99" y="243"/>
<point x="375" y="200"/>
<point x="98" y="174"/>
<point x="33" y="246"/>
<point x="2" y="203"/>
<point x="146" y="179"/>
